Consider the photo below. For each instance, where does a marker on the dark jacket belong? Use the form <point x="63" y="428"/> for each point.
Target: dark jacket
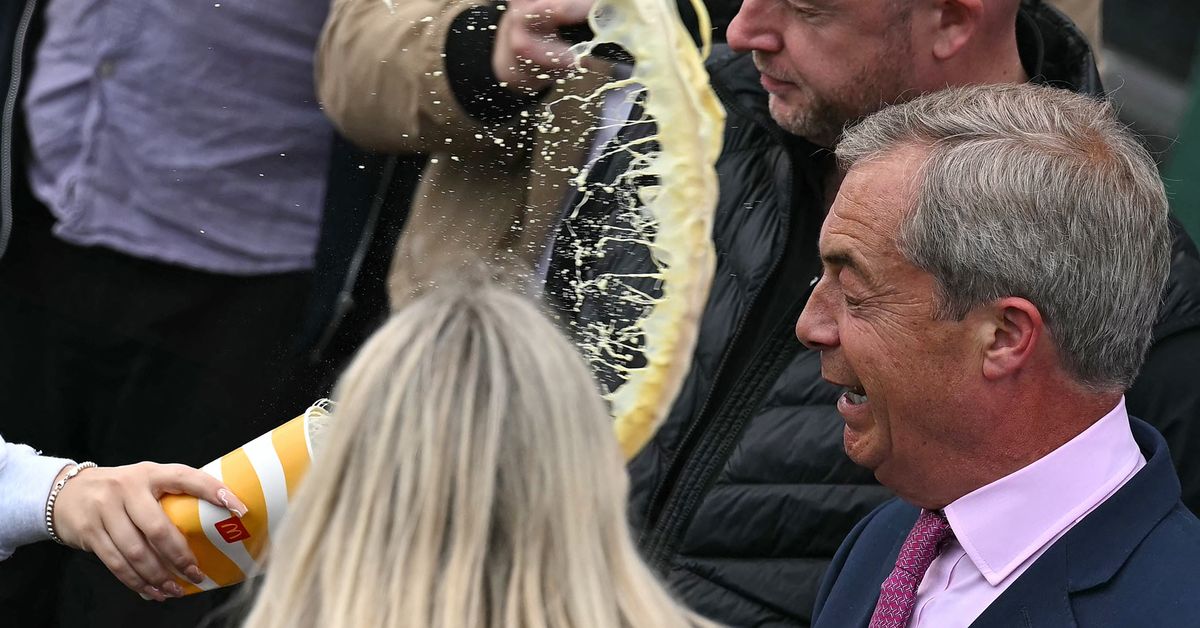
<point x="1131" y="562"/>
<point x="745" y="493"/>
<point x="366" y="203"/>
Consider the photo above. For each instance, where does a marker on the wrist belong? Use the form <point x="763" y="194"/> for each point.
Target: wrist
<point x="65" y="476"/>
<point x="62" y="473"/>
<point x="476" y="87"/>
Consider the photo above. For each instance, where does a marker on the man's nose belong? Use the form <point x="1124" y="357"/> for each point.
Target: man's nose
<point x="753" y="28"/>
<point x="817" y="327"/>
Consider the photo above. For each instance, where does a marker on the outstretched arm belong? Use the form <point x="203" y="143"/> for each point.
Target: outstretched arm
<point x="110" y="511"/>
<point x="410" y="75"/>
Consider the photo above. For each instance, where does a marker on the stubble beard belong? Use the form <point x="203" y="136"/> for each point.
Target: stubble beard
<point x="821" y="119"/>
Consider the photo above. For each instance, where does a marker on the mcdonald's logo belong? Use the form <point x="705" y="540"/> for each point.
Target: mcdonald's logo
<point x="232" y="530"/>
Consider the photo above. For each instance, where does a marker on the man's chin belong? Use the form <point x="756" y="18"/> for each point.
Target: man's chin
<point x="857" y="445"/>
<point x="779" y="110"/>
<point x="851" y="440"/>
<point x="802" y="123"/>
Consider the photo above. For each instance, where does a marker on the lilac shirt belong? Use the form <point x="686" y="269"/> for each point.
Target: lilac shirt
<point x="183" y="131"/>
<point x="1002" y="528"/>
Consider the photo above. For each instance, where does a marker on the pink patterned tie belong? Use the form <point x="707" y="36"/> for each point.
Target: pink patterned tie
<point x="898" y="594"/>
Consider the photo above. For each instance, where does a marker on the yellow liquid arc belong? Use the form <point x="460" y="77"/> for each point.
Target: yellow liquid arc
<point x="678" y="210"/>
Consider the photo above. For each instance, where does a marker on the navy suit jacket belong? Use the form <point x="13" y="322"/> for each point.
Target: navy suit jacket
<point x="1133" y="562"/>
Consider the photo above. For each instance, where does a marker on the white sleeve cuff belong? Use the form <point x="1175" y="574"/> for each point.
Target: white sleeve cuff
<point x="25" y="482"/>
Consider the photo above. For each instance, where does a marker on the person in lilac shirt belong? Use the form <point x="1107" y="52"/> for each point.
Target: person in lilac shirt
<point x="163" y="176"/>
<point x="992" y="267"/>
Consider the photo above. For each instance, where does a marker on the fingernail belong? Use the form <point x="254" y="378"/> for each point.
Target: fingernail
<point x="232" y="503"/>
<point x="194" y="574"/>
<point x="173" y="589"/>
<point x="154" y="594"/>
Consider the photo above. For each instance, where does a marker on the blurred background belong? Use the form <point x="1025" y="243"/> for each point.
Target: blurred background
<point x="1150" y="61"/>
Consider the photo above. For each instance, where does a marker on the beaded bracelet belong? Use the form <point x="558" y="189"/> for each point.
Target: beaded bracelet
<point x="58" y="486"/>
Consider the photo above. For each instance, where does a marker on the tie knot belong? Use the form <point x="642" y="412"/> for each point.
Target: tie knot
<point x="897" y="594"/>
<point x="924" y="542"/>
<point x="931" y="528"/>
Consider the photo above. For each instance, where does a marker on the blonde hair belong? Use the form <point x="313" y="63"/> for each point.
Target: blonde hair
<point x="471" y="479"/>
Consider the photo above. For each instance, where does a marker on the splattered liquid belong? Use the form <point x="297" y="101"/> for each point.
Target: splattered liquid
<point x="641" y="342"/>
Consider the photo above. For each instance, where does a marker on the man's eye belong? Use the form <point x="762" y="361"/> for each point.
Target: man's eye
<point x="804" y="10"/>
<point x="851" y="301"/>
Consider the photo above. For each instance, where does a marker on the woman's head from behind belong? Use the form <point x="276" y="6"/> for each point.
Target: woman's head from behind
<point x="471" y="479"/>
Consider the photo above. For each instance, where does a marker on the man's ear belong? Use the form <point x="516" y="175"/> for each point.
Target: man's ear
<point x="956" y="22"/>
<point x="1012" y="333"/>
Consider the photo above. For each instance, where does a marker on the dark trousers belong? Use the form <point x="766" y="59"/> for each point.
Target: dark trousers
<point x="115" y="359"/>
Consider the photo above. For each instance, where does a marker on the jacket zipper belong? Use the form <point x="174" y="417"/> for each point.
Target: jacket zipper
<point x="714" y="438"/>
<point x="696" y="470"/>
<point x="650" y="538"/>
<point x="6" y="133"/>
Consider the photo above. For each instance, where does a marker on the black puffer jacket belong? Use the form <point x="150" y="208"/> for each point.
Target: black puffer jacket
<point x="746" y="492"/>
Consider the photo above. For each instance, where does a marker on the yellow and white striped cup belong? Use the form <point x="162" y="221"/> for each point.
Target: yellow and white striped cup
<point x="265" y="474"/>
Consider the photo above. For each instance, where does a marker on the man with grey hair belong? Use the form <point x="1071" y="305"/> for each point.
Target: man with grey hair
<point x="992" y="267"/>
<point x="745" y="494"/>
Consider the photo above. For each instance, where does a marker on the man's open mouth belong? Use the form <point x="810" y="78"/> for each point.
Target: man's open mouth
<point x="856" y="396"/>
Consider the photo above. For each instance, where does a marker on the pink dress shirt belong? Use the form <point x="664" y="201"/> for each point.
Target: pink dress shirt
<point x="1002" y="528"/>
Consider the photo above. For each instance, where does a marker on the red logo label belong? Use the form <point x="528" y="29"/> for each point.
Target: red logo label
<point x="232" y="530"/>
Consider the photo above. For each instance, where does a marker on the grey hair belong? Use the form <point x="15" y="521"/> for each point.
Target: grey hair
<point x="1040" y="193"/>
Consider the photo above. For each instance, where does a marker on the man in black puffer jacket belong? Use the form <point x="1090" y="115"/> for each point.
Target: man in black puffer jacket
<point x="745" y="493"/>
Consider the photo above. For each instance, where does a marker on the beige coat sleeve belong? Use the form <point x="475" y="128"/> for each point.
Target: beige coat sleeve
<point x="381" y="75"/>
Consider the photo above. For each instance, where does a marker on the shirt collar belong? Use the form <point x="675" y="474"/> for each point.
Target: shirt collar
<point x="1002" y="524"/>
